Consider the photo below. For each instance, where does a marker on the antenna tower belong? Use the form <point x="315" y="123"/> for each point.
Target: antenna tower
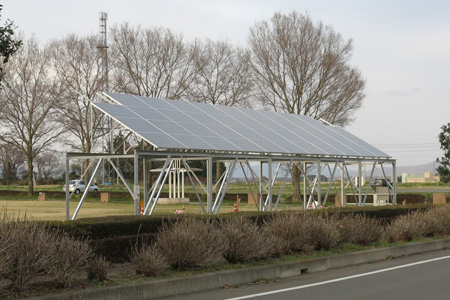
<point x="102" y="47"/>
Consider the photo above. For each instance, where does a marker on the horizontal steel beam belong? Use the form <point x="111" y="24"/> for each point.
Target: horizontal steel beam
<point x="74" y="155"/>
<point x="258" y="157"/>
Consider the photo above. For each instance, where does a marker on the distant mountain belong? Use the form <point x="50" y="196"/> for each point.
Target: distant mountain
<point x="418" y="170"/>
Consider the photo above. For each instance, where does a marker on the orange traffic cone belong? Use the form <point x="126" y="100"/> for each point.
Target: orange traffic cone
<point x="235" y="209"/>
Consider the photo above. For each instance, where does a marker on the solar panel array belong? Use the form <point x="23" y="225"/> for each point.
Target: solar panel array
<point x="172" y="124"/>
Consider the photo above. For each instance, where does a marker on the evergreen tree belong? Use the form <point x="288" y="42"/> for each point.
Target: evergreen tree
<point x="444" y="168"/>
<point x="8" y="45"/>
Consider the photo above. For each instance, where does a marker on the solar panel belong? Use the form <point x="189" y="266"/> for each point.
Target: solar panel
<point x="173" y="124"/>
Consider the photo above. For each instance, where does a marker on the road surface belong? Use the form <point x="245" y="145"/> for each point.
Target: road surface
<point x="418" y="277"/>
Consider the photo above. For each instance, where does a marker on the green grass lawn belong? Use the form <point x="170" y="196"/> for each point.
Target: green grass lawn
<point x="54" y="208"/>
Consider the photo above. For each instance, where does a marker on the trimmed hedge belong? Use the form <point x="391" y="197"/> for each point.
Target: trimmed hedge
<point x="111" y="226"/>
<point x="113" y="236"/>
<point x="117" y="249"/>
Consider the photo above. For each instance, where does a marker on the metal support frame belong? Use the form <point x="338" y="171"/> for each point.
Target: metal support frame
<point x="267" y="203"/>
<point x="352" y="185"/>
<point x="389" y="185"/>
<point x="303" y="170"/>
<point x="370" y="179"/>
<point x="249" y="185"/>
<point x="288" y="170"/>
<point x="194" y="186"/>
<point x="223" y="187"/>
<point x="158" y="185"/>
<point x="145" y="180"/>
<point x="331" y="181"/>
<point x="137" y="190"/>
<point x="119" y="173"/>
<point x="394" y="183"/>
<point x="312" y="189"/>
<point x="86" y="190"/>
<point x="209" y="185"/>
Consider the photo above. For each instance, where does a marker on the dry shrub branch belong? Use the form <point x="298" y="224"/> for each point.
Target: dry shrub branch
<point x="190" y="243"/>
<point x="148" y="260"/>
<point x="244" y="240"/>
<point x="29" y="249"/>
<point x="360" y="230"/>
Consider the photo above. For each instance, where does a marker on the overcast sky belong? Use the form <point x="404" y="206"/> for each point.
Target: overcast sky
<point x="401" y="47"/>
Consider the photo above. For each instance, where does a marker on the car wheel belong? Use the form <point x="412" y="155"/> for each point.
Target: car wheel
<point x="95" y="190"/>
<point x="77" y="191"/>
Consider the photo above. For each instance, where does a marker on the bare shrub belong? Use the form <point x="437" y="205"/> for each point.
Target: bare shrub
<point x="360" y="230"/>
<point x="411" y="226"/>
<point x="244" y="240"/>
<point x="27" y="253"/>
<point x="324" y="232"/>
<point x="98" y="269"/>
<point x="441" y="215"/>
<point x="69" y="256"/>
<point x="291" y="232"/>
<point x="29" y="249"/>
<point x="190" y="243"/>
<point x="148" y="260"/>
<point x="5" y="242"/>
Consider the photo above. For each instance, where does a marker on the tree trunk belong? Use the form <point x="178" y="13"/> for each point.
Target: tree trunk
<point x="30" y="176"/>
<point x="87" y="149"/>
<point x="296" y="174"/>
<point x="85" y="167"/>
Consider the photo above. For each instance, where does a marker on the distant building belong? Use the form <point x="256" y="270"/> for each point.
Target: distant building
<point x="428" y="177"/>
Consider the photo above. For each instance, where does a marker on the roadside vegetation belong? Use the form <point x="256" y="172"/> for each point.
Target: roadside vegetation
<point x="40" y="257"/>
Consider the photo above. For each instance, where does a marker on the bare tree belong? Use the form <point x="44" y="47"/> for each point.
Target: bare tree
<point x="48" y="164"/>
<point x="29" y="101"/>
<point x="301" y="67"/>
<point x="150" y="62"/>
<point x="11" y="159"/>
<point x="222" y="76"/>
<point x="78" y="67"/>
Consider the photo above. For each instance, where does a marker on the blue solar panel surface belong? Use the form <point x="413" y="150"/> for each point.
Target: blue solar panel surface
<point x="173" y="124"/>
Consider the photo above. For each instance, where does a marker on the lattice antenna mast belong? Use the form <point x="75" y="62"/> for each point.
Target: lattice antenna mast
<point x="102" y="47"/>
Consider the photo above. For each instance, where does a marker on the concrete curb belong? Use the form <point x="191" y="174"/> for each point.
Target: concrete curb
<point x="215" y="280"/>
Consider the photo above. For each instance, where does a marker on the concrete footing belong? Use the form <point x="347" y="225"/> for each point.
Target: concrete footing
<point x="173" y="201"/>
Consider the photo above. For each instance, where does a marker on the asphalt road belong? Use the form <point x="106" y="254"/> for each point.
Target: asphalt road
<point x="418" y="277"/>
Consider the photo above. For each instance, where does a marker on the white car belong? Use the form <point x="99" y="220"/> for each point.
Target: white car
<point x="78" y="186"/>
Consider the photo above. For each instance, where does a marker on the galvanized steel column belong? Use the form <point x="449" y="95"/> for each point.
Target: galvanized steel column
<point x="209" y="179"/>
<point x="342" y="184"/>
<point x="319" y="183"/>
<point x="269" y="162"/>
<point x="360" y="184"/>
<point x="136" y="183"/>
<point x="145" y="179"/>
<point x="394" y="182"/>
<point x="67" y="189"/>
